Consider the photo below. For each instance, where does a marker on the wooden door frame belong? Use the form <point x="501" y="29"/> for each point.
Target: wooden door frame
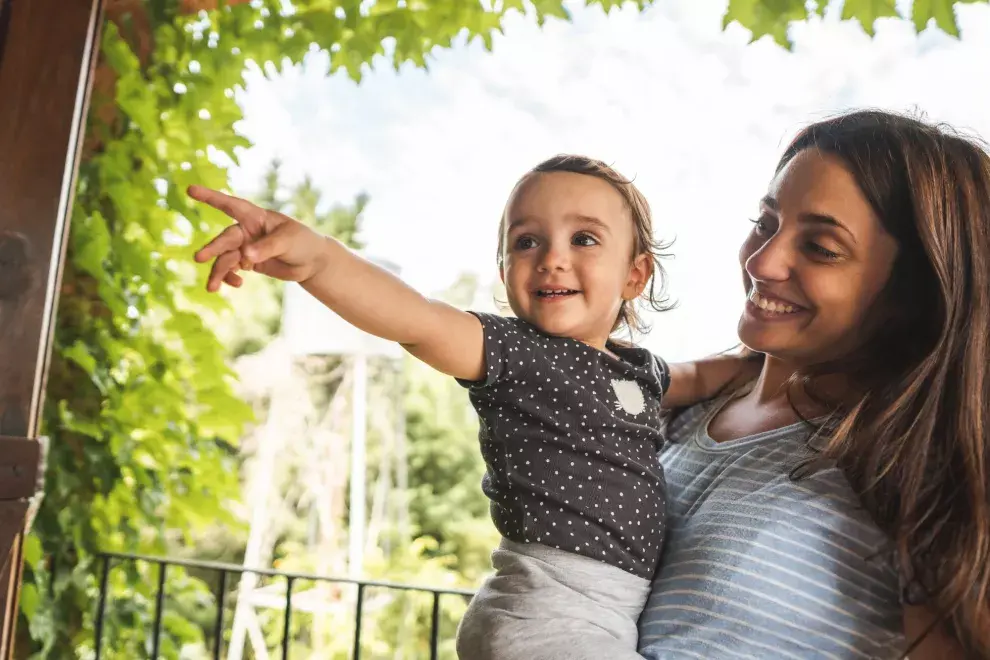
<point x="48" y="50"/>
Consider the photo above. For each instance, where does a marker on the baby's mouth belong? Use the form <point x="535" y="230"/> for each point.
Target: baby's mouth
<point x="555" y="293"/>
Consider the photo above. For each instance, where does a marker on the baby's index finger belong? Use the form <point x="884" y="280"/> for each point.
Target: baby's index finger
<point x="207" y="195"/>
<point x="200" y="193"/>
<point x="236" y="208"/>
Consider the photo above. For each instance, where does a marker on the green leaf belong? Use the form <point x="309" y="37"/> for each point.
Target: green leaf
<point x="766" y="17"/>
<point x="941" y="10"/>
<point x="868" y="11"/>
<point x="554" y="8"/>
<point x="29" y="600"/>
<point x="80" y="355"/>
<point x="32" y="551"/>
<point x="93" y="244"/>
<point x="115" y="51"/>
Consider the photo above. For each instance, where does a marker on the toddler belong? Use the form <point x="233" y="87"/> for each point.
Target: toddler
<point x="570" y="417"/>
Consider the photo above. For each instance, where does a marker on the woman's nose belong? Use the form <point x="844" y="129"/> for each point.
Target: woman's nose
<point x="772" y="261"/>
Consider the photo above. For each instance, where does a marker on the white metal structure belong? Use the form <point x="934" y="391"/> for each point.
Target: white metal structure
<point x="308" y="328"/>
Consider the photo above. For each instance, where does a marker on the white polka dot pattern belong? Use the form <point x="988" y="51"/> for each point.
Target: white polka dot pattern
<point x="569" y="464"/>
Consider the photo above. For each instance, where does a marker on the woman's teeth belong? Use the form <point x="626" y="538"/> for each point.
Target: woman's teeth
<point x="770" y="305"/>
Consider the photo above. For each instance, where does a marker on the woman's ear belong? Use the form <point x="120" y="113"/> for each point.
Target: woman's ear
<point x="640" y="271"/>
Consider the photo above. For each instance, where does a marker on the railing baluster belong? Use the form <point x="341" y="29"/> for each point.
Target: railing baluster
<point x="286" y="633"/>
<point x="107" y="559"/>
<point x="435" y="626"/>
<point x="357" y="622"/>
<point x="156" y="632"/>
<point x="218" y="622"/>
<point x="101" y="607"/>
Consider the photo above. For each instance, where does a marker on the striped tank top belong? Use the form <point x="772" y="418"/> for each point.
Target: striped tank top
<point x="758" y="565"/>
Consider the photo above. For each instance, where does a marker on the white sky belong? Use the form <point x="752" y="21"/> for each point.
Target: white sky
<point x="695" y="114"/>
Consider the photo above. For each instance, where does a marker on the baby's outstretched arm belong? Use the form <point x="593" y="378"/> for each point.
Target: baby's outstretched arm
<point x="694" y="382"/>
<point x="368" y="297"/>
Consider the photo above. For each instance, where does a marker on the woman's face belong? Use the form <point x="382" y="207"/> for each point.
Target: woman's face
<point x="814" y="264"/>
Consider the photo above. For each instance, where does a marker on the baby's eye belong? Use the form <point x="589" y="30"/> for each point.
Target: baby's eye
<point x="584" y="240"/>
<point x="524" y="243"/>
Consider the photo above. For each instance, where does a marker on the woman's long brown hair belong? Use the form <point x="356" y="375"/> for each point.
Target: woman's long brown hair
<point x="913" y="441"/>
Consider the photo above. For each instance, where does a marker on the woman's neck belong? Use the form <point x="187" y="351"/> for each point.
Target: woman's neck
<point x="772" y="388"/>
<point x="764" y="407"/>
<point x="771" y="385"/>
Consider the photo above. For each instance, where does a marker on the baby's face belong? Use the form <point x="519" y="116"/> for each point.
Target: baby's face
<point x="568" y="257"/>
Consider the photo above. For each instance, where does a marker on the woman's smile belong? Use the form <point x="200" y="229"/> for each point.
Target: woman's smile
<point x="767" y="307"/>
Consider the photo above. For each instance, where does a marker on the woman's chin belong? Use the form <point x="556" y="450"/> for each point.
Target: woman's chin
<point x="760" y="339"/>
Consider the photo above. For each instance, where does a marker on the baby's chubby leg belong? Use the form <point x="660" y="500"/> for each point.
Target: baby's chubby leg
<point x="546" y="604"/>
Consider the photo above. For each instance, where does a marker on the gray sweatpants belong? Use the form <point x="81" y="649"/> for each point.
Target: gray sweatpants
<point x="547" y="604"/>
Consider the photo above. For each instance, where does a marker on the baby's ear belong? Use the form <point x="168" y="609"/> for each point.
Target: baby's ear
<point x="640" y="272"/>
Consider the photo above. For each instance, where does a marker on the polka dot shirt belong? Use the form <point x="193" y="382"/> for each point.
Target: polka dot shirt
<point x="570" y="437"/>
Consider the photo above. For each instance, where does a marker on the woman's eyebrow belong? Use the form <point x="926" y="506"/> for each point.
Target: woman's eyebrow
<point x="810" y="217"/>
<point x="825" y="219"/>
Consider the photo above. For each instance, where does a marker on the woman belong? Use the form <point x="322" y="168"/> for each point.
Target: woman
<point x="838" y="506"/>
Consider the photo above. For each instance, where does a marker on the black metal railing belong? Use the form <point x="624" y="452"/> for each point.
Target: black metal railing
<point x="108" y="560"/>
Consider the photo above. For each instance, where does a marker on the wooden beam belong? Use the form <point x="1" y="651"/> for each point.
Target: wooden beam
<point x="44" y="81"/>
<point x="47" y="52"/>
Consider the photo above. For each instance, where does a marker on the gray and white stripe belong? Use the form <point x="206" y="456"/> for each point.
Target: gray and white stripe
<point x="757" y="565"/>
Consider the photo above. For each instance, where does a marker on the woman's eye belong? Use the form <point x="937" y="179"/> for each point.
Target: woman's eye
<point x="761" y="226"/>
<point x="584" y="240"/>
<point x="825" y="253"/>
<point x="525" y="242"/>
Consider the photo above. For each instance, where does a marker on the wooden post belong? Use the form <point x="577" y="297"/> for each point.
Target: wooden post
<point x="47" y="52"/>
